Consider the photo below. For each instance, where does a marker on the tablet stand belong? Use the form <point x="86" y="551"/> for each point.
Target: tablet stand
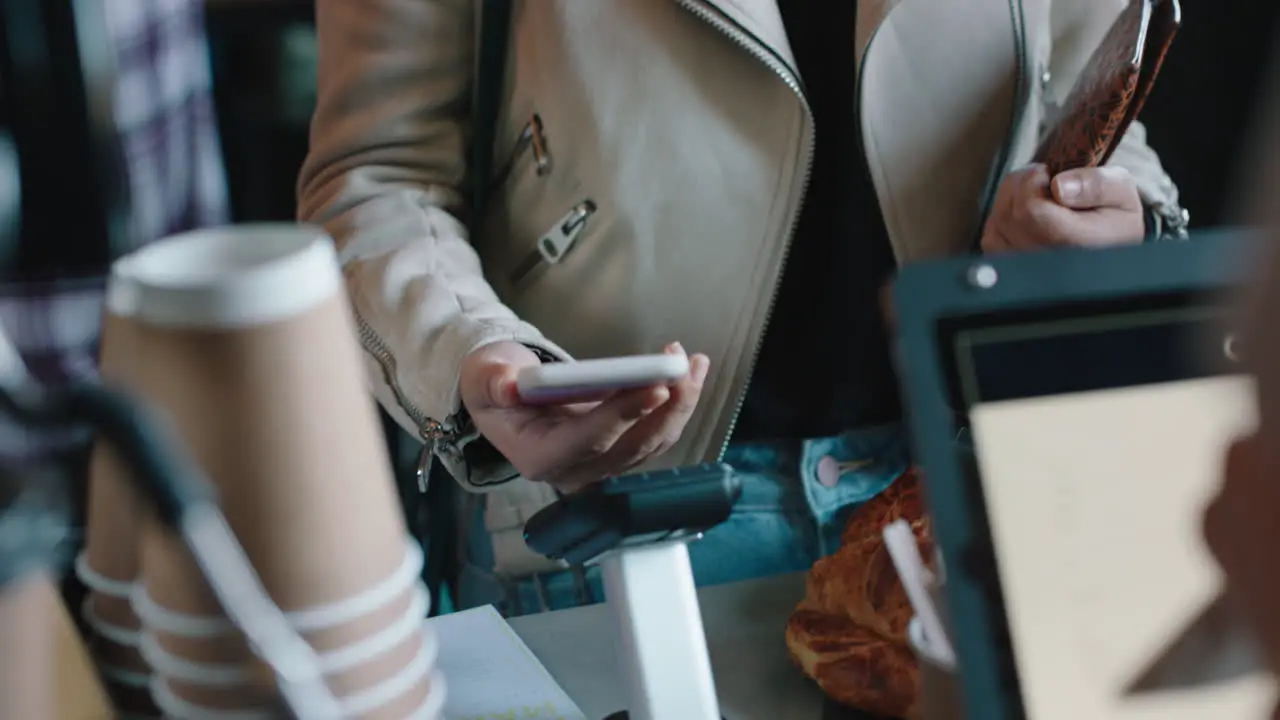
<point x="637" y="528"/>
<point x="661" y="643"/>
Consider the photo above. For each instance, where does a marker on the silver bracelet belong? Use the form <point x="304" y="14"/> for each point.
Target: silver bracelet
<point x="1173" y="222"/>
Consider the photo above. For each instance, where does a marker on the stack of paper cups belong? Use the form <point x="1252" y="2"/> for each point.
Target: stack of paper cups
<point x="374" y="649"/>
<point x="109" y="565"/>
<point x="28" y="664"/>
<point x="247" y="345"/>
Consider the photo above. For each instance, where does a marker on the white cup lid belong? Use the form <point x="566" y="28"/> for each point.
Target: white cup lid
<point x="230" y="277"/>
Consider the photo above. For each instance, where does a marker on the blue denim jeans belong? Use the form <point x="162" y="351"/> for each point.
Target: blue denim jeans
<point x="787" y="518"/>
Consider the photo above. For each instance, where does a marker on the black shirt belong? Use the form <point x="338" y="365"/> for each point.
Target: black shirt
<point x="825" y="361"/>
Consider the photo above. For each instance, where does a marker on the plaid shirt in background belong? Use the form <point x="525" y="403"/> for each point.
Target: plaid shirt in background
<point x="168" y="133"/>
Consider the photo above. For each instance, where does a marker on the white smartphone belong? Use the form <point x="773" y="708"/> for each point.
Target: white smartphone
<point x="586" y="380"/>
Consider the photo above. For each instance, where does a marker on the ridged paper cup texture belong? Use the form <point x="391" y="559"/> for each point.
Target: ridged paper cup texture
<point x="384" y="665"/>
<point x="394" y="607"/>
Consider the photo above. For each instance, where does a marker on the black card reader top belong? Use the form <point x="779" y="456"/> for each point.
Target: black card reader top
<point x="634" y="510"/>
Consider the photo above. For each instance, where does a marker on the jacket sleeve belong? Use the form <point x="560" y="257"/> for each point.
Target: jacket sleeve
<point x="1078" y="27"/>
<point x="384" y="175"/>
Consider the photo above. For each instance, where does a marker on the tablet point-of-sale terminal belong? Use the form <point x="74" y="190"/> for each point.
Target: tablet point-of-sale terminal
<point x="982" y="338"/>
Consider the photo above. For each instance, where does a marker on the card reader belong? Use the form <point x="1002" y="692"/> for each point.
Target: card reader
<point x="637" y="528"/>
<point x="631" y="510"/>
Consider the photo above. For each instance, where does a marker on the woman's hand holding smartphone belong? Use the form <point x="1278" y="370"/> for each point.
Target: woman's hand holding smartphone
<point x="572" y="424"/>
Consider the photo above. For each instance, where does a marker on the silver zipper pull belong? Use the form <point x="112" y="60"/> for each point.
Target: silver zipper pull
<point x="426" y="458"/>
<point x="541" y="156"/>
<point x="559" y="240"/>
<point x="531" y="139"/>
<point x="556" y="242"/>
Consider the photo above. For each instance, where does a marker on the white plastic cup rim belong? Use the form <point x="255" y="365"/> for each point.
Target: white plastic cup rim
<point x="386" y="691"/>
<point x="336" y="661"/>
<point x="123" y="636"/>
<point x="99" y="583"/>
<point x="226" y="277"/>
<point x="313" y="619"/>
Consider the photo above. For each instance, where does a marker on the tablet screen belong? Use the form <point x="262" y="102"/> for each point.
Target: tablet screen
<point x="1088" y="347"/>
<point x="1099" y="439"/>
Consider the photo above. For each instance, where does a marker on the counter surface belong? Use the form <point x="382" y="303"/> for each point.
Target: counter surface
<point x="744" y="623"/>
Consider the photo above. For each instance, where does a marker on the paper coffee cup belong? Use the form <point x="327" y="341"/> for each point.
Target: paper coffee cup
<point x="389" y="607"/>
<point x="391" y="687"/>
<point x="378" y="675"/>
<point x="248" y="347"/>
<point x="390" y="684"/>
<point x="193" y="702"/>
<point x="407" y="682"/>
<point x="109" y="564"/>
<point x="229" y="647"/>
<point x="112" y="645"/>
<point x="253" y="696"/>
<point x="375" y="611"/>
<point x="114" y="650"/>
<point x="426" y="702"/>
<point x="27" y="663"/>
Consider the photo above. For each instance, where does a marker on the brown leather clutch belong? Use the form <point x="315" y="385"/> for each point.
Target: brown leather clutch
<point x="1112" y="87"/>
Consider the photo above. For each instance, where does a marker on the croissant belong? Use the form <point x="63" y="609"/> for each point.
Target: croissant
<point x="849" y="634"/>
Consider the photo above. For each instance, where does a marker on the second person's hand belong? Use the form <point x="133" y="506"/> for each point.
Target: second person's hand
<point x="571" y="446"/>
<point x="1089" y="207"/>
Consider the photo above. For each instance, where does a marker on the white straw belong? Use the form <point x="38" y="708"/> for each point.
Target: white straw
<point x="901" y="544"/>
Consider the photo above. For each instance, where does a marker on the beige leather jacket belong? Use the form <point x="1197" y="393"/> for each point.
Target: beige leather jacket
<point x="651" y="157"/>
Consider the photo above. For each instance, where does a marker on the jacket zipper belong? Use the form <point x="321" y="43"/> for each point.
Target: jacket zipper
<point x="433" y="432"/>
<point x="556" y="242"/>
<point x="752" y="46"/>
<point x="532" y="137"/>
<point x="1000" y="166"/>
<point x="745" y="41"/>
<point x="430" y="431"/>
